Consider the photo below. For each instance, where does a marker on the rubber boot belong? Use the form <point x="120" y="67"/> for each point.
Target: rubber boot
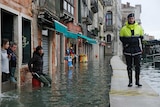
<point x="130" y="78"/>
<point x="44" y="81"/>
<point x="137" y="73"/>
<point x="48" y="78"/>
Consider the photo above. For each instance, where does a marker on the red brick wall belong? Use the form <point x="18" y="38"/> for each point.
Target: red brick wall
<point x="25" y="76"/>
<point x="73" y="28"/>
<point x="24" y="6"/>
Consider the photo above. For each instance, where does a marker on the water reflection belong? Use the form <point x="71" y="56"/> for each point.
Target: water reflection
<point x="85" y="85"/>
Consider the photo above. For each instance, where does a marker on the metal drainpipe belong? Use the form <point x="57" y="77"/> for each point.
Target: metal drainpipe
<point x="62" y="47"/>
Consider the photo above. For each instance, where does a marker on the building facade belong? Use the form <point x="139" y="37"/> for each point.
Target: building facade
<point x="101" y="23"/>
<point x="127" y="9"/>
<point x="112" y="26"/>
<point x="16" y="25"/>
<point x="85" y="19"/>
<point x="56" y="25"/>
<point x="91" y="27"/>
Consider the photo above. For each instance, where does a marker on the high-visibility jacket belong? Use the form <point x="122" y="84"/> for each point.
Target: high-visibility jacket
<point x="131" y="36"/>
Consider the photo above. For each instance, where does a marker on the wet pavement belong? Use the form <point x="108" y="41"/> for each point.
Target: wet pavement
<point x="124" y="96"/>
<point x="87" y="85"/>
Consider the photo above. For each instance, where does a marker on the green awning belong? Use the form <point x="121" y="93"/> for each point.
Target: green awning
<point x="89" y="40"/>
<point x="92" y="41"/>
<point x="71" y="35"/>
<point x="82" y="36"/>
<point x="63" y="29"/>
<point x="60" y="27"/>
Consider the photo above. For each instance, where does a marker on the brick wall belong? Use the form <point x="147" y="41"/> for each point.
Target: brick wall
<point x="25" y="76"/>
<point x="24" y="6"/>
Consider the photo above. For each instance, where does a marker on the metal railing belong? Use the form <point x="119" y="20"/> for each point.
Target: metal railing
<point x="48" y="5"/>
<point x="152" y="59"/>
<point x="108" y="2"/>
<point x="109" y="27"/>
<point x="88" y="17"/>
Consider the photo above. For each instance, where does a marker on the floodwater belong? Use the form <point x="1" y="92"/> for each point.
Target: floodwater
<point x="86" y="85"/>
<point x="151" y="76"/>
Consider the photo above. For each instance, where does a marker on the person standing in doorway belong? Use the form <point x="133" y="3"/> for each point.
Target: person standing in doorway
<point x="131" y="36"/>
<point x="12" y="62"/>
<point x="35" y="66"/>
<point x="5" y="60"/>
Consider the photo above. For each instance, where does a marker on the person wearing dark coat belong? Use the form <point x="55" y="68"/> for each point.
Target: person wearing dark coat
<point x="131" y="36"/>
<point x="12" y="61"/>
<point x="35" y="66"/>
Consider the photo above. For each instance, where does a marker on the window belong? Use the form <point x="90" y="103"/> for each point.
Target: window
<point x="69" y="8"/>
<point x="65" y="5"/>
<point x="72" y="10"/>
<point x="26" y="40"/>
<point x="109" y="18"/>
<point x="68" y="5"/>
<point x="109" y="38"/>
<point x="72" y="2"/>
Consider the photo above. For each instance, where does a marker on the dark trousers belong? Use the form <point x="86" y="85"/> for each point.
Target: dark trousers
<point x="130" y="61"/>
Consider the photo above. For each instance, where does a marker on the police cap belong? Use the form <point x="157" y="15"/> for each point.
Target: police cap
<point x="130" y="15"/>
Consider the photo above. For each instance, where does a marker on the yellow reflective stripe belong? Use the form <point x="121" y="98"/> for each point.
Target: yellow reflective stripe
<point x="133" y="93"/>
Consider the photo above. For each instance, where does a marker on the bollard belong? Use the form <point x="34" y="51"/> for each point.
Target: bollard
<point x="36" y="82"/>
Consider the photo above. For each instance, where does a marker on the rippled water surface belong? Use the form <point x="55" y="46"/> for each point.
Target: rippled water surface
<point x="87" y="85"/>
<point x="152" y="76"/>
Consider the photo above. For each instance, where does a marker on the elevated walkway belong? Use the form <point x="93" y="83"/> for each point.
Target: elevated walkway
<point x="123" y="96"/>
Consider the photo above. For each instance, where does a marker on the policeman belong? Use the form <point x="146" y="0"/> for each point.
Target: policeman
<point x="131" y="36"/>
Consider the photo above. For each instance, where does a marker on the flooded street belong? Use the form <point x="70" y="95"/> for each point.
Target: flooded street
<point x="151" y="75"/>
<point x="87" y="85"/>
